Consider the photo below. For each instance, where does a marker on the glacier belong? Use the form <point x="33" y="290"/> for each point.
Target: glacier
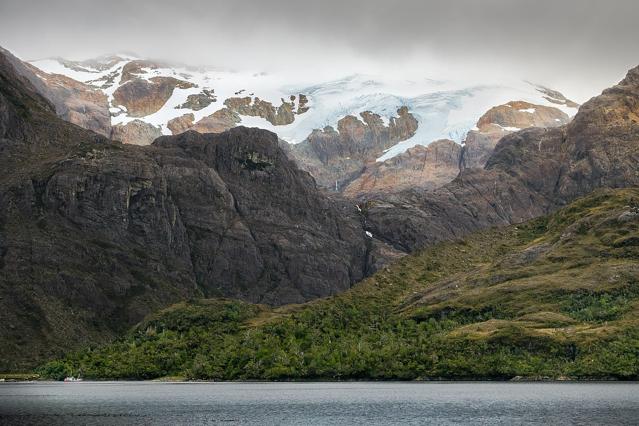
<point x="444" y="109"/>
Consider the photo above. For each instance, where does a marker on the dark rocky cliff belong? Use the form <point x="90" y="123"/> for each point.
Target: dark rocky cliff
<point x="95" y="234"/>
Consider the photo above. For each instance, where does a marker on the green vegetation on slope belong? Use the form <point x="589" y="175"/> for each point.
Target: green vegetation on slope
<point x="558" y="296"/>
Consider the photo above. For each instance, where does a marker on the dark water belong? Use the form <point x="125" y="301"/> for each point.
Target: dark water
<point x="319" y="403"/>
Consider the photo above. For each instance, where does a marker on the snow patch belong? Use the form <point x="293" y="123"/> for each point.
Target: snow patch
<point x="444" y="109"/>
<point x="509" y="129"/>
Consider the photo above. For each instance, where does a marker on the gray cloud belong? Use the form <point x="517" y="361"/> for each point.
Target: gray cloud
<point x="578" y="46"/>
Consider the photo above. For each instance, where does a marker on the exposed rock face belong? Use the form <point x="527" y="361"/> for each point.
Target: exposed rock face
<point x="143" y="97"/>
<point x="530" y="173"/>
<point x="521" y="115"/>
<point x="505" y="119"/>
<point x="181" y="124"/>
<point x="479" y="146"/>
<point x="198" y="101"/>
<point x="218" y="122"/>
<point x="77" y="103"/>
<point x="276" y="221"/>
<point x="556" y="98"/>
<point x="74" y="102"/>
<point x="133" y="69"/>
<point x="303" y="101"/>
<point x="603" y="140"/>
<point x="339" y="155"/>
<point x="258" y="108"/>
<point x="136" y="132"/>
<point x="95" y="234"/>
<point x="426" y="167"/>
<point x="329" y="155"/>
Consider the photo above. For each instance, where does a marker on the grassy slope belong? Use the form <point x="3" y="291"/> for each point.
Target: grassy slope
<point x="558" y="296"/>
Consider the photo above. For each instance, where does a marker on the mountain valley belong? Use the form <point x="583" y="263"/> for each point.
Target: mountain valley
<point x="160" y="221"/>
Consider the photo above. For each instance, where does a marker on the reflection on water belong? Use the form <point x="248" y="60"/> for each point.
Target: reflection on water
<point x="365" y="403"/>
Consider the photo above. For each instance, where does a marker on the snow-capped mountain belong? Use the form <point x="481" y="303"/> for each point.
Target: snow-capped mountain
<point x="336" y="129"/>
<point x="443" y="109"/>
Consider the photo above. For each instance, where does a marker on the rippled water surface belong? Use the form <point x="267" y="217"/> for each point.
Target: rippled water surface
<point x="361" y="403"/>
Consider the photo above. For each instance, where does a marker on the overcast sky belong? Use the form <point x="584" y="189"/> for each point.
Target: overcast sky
<point x="576" y="46"/>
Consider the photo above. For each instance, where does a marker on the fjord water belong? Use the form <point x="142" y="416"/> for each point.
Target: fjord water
<point x="383" y="403"/>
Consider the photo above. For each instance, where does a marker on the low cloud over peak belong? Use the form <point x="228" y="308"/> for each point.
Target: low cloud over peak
<point x="578" y="46"/>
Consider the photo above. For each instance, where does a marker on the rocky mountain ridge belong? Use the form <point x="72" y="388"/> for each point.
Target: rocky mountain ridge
<point x="530" y="173"/>
<point x="95" y="234"/>
<point x="336" y="155"/>
<point x="136" y="88"/>
<point x="338" y="130"/>
<point x="432" y="166"/>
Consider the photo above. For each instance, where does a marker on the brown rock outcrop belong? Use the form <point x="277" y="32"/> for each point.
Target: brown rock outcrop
<point x="136" y="132"/>
<point x="181" y="124"/>
<point x="339" y="155"/>
<point x="502" y="120"/>
<point x="79" y="103"/>
<point x="218" y="122"/>
<point x="425" y="167"/>
<point x="198" y="101"/>
<point x="144" y="97"/>
<point x="521" y="115"/>
<point x="74" y="102"/>
<point x="440" y="162"/>
<point x="277" y="116"/>
<point x="478" y="146"/>
<point x="255" y="107"/>
<point x="303" y="101"/>
<point x="133" y="69"/>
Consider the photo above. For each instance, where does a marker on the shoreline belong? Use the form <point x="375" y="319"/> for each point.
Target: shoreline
<point x="32" y="378"/>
